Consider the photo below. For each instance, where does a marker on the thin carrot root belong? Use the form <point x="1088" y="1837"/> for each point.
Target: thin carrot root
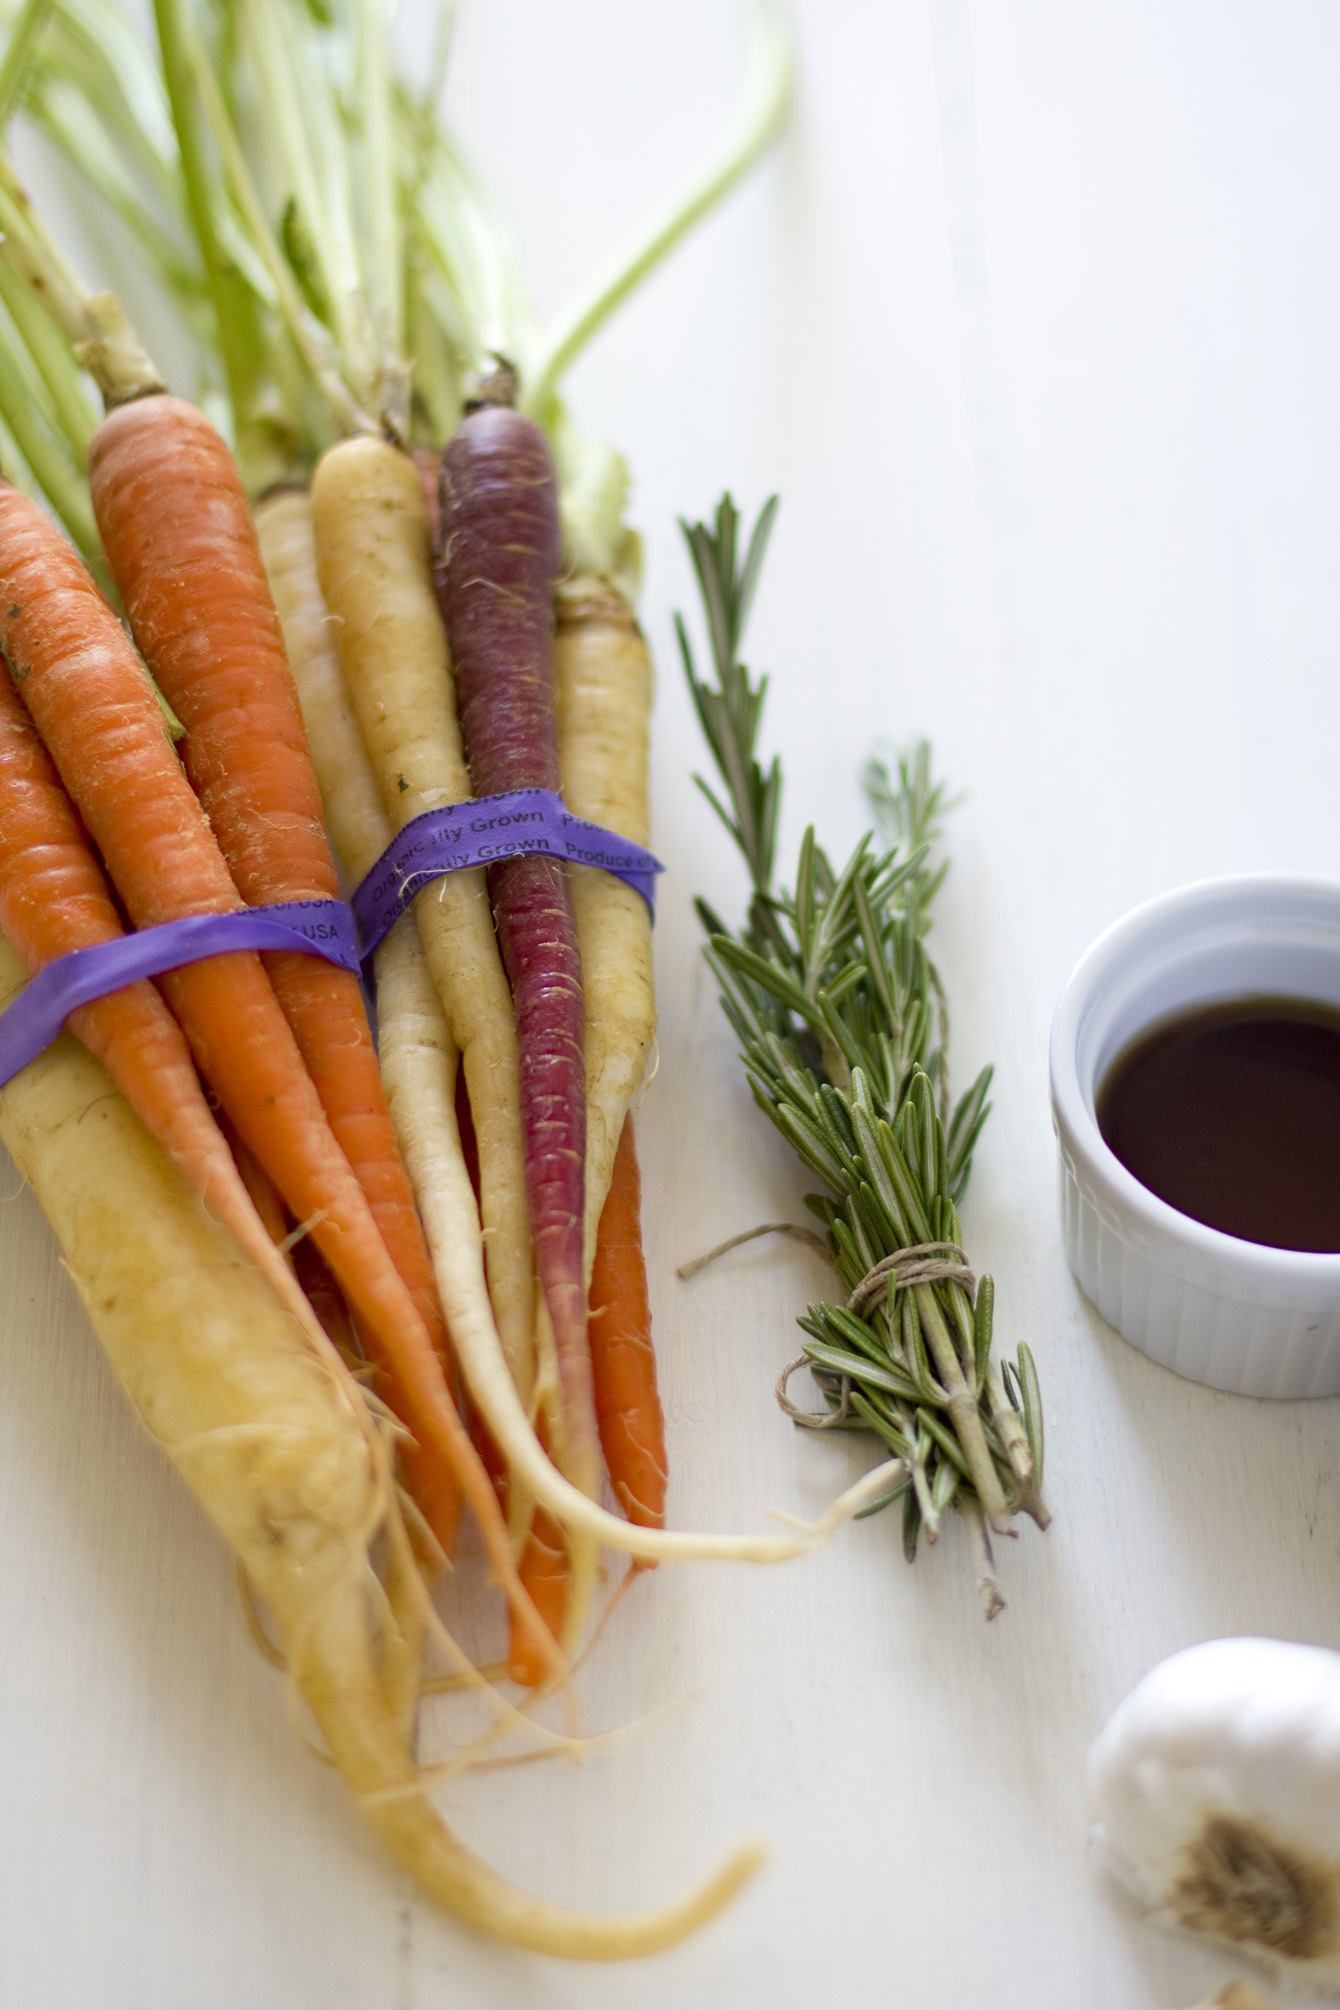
<point x="351" y="803"/>
<point x="339" y="1680"/>
<point x="404" y="1630"/>
<point x="277" y="1443"/>
<point x="419" y="1057"/>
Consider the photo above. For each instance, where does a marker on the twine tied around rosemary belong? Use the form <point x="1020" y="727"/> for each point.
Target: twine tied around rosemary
<point x="919" y="1263"/>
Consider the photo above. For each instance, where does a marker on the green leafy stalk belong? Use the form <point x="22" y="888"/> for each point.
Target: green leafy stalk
<point x="384" y="259"/>
<point x="72" y="409"/>
<point x="240" y="345"/>
<point x="307" y="332"/>
<point x="33" y="426"/>
<point x="19" y="53"/>
<point x="761" y="112"/>
<point x="841" y="1020"/>
<point x="320" y="235"/>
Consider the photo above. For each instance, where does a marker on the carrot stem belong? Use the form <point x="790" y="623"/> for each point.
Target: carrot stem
<point x="64" y="381"/>
<point x="767" y="90"/>
<point x="23" y="37"/>
<point x="35" y="428"/>
<point x="234" y="303"/>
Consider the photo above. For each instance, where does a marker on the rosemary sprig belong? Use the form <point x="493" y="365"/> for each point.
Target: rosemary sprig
<point x="842" y="1024"/>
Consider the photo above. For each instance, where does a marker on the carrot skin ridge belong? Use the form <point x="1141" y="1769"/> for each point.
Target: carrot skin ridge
<point x="623" y="1360"/>
<point x="501" y="555"/>
<point x="100" y="721"/>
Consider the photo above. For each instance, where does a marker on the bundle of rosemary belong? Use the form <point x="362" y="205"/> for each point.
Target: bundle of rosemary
<point x="842" y="1021"/>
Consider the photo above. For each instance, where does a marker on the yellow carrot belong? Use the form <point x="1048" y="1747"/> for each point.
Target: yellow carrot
<point x="603" y="688"/>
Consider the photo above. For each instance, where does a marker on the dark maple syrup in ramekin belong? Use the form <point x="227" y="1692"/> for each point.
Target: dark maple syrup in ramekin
<point x="1231" y="1113"/>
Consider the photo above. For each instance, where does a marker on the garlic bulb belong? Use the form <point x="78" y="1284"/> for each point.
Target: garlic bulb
<point x="1217" y="1790"/>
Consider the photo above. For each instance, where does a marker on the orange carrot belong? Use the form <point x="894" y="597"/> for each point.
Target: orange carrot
<point x="544" y="1572"/>
<point x="97" y="713"/>
<point x="199" y="603"/>
<point x="623" y="1362"/>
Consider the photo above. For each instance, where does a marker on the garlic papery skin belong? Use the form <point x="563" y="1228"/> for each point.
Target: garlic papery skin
<point x="1216" y="1787"/>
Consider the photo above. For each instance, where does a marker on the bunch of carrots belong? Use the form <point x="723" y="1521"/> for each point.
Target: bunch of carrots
<point x="352" y="1286"/>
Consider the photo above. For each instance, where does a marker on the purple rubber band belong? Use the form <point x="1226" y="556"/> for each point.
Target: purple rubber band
<point x="519" y="822"/>
<point x="28" y="1026"/>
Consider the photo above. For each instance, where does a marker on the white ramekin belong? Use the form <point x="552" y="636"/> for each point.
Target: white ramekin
<point x="1240" y="1316"/>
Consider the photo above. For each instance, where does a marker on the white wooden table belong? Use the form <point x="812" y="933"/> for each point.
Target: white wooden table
<point x="1034" y="319"/>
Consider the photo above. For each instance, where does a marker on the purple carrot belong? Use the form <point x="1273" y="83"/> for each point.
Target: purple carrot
<point x="499" y="563"/>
